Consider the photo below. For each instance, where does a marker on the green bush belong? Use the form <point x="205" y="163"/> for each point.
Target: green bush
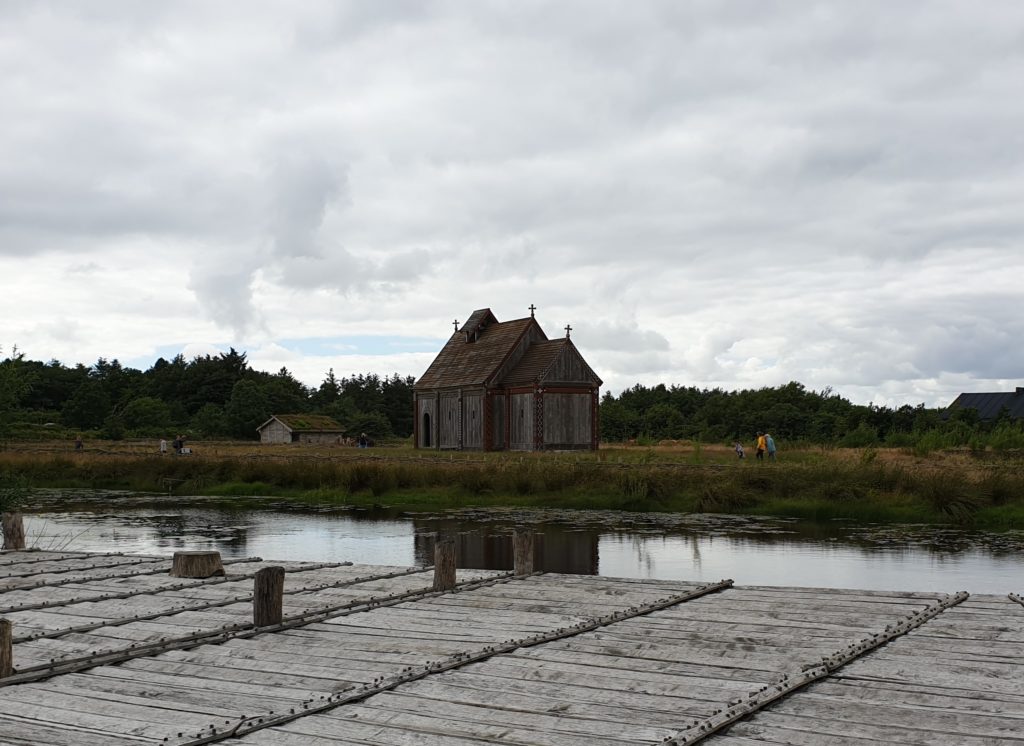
<point x="900" y="440"/>
<point x="1006" y="437"/>
<point x="931" y="440"/>
<point x="862" y="437"/>
<point x="14" y="492"/>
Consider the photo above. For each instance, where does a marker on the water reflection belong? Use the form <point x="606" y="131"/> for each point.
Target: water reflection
<point x="752" y="551"/>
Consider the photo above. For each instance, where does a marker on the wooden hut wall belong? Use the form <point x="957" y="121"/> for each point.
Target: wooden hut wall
<point x="324" y="439"/>
<point x="522" y="422"/>
<point x="275" y="432"/>
<point x="426" y="421"/>
<point x="472" y="421"/>
<point x="498" y="422"/>
<point x="569" y="366"/>
<point x="567" y="420"/>
<point x="449" y="423"/>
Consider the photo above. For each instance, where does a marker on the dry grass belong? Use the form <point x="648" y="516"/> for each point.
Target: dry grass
<point x="883" y="484"/>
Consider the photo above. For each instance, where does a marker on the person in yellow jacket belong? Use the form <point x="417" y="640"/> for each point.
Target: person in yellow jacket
<point x="762" y="445"/>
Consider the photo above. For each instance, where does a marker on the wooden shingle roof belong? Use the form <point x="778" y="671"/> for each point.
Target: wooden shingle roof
<point x="539" y="360"/>
<point x="462" y="363"/>
<point x="536" y="360"/>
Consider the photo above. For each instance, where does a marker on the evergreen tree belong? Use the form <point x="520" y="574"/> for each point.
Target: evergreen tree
<point x="246" y="410"/>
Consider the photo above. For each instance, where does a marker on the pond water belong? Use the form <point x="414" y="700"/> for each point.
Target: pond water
<point x="705" y="547"/>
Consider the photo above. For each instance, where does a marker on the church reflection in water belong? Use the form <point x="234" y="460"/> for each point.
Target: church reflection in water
<point x="555" y="549"/>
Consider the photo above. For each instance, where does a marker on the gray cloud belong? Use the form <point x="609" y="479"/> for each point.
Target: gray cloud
<point x="731" y="193"/>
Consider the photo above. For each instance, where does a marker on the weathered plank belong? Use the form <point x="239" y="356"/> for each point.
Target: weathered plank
<point x="543" y="659"/>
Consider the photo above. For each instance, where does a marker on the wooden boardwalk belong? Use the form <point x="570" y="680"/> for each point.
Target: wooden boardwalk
<point x="108" y="649"/>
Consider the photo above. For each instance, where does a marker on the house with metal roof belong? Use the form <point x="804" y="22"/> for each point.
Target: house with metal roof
<point x="989" y="406"/>
<point x="301" y="428"/>
<point x="506" y="386"/>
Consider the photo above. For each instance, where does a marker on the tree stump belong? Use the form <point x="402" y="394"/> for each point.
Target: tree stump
<point x="202" y="564"/>
<point x="6" y="648"/>
<point x="268" y="596"/>
<point x="444" y="563"/>
<point x="14" y="531"/>
<point x="522" y="552"/>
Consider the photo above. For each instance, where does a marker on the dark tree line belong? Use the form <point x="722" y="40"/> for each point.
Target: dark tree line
<point x="221" y="395"/>
<point x="789" y="412"/>
<point x="209" y="396"/>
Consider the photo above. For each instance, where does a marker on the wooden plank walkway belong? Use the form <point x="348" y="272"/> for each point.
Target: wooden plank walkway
<point x="373" y="655"/>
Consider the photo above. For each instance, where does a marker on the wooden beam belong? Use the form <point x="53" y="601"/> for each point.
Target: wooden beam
<point x="788" y="683"/>
<point x="268" y="596"/>
<point x="522" y="552"/>
<point x="14" y="531"/>
<point x="444" y="563"/>
<point x="6" y="648"/>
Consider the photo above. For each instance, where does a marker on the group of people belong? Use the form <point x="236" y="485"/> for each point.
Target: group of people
<point x="178" y="444"/>
<point x="765" y="445"/>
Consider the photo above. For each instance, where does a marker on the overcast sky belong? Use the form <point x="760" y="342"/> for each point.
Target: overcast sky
<point x="732" y="194"/>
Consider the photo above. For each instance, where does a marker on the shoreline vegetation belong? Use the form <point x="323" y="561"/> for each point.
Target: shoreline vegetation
<point x="958" y="487"/>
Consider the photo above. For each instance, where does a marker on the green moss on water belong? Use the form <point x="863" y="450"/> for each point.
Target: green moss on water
<point x="818" y="510"/>
<point x="1000" y="517"/>
<point x="243" y="489"/>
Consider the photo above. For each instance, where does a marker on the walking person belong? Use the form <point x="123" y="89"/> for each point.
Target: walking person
<point x="770" y="445"/>
<point x="738" y="447"/>
<point x="762" y="445"/>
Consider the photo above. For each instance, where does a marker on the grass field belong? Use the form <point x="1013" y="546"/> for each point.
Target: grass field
<point x="813" y="483"/>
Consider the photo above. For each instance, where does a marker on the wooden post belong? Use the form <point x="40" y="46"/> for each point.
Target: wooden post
<point x="522" y="552"/>
<point x="267" y="597"/>
<point x="6" y="648"/>
<point x="196" y="565"/>
<point x="444" y="563"/>
<point x="14" y="531"/>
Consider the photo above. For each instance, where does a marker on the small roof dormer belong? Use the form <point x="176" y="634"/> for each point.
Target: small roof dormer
<point x="477" y="322"/>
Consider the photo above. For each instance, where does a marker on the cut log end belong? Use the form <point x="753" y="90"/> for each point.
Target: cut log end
<point x="202" y="564"/>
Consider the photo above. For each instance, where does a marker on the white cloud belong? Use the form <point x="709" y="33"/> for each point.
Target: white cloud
<point x="715" y="194"/>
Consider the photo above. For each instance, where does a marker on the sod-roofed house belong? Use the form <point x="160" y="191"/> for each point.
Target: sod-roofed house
<point x="301" y="428"/>
<point x="506" y="386"/>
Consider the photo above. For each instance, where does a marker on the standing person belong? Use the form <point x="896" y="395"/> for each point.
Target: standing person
<point x="770" y="445"/>
<point x="762" y="445"/>
<point x="176" y="445"/>
<point x="362" y="440"/>
<point x="738" y="447"/>
<point x="163" y="446"/>
<point x="78" y="443"/>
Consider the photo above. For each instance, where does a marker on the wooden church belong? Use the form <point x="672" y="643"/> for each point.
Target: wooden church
<point x="503" y="385"/>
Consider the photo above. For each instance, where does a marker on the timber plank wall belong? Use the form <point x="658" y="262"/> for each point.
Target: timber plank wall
<point x="109" y="649"/>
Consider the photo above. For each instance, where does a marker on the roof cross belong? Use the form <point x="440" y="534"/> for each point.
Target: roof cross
<point x="532" y="309"/>
<point x="455" y="323"/>
<point x="567" y="330"/>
